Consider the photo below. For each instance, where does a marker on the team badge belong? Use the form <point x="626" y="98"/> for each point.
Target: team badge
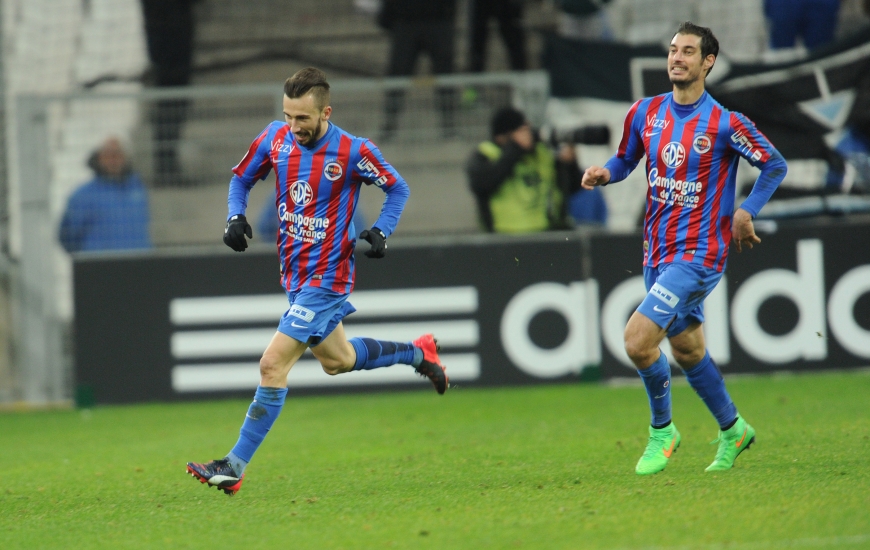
<point x="301" y="193"/>
<point x="333" y="171"/>
<point x="673" y="154"/>
<point x="702" y="143"/>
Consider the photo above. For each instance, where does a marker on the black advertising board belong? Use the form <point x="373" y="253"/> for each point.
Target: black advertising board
<point x="173" y="326"/>
<point x="546" y="308"/>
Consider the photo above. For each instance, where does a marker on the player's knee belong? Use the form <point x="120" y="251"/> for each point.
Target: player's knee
<point x="333" y="366"/>
<point x="687" y="358"/>
<point x="639" y="352"/>
<point x="330" y="367"/>
<point x="270" y="367"/>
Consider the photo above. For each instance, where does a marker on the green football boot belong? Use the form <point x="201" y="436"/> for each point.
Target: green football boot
<point x="732" y="442"/>
<point x="662" y="444"/>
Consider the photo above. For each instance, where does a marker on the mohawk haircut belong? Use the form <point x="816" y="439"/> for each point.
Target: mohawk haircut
<point x="308" y="80"/>
<point x="709" y="43"/>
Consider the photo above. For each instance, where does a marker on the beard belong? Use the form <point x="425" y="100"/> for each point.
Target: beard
<point x="688" y="80"/>
<point x="307" y="138"/>
<point x="684" y="84"/>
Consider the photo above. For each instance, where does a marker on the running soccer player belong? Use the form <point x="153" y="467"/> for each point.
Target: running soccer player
<point x="319" y="171"/>
<point x="692" y="145"/>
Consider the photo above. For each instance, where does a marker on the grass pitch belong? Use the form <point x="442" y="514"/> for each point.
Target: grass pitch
<point x="542" y="467"/>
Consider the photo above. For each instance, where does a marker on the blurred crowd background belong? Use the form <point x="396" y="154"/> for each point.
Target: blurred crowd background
<point x="123" y="118"/>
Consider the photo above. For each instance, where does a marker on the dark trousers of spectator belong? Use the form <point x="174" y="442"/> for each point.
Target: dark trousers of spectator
<point x="509" y="14"/>
<point x="409" y="39"/>
<point x="815" y="21"/>
<point x="169" y="29"/>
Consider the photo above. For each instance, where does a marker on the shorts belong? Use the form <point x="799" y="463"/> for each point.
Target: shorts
<point x="314" y="313"/>
<point x="676" y="293"/>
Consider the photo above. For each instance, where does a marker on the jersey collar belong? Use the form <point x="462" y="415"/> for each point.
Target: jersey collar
<point x="696" y="107"/>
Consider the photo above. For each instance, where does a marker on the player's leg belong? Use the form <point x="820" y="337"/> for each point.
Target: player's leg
<point x="735" y="434"/>
<point x="703" y="374"/>
<point x="338" y="355"/>
<point x="642" y="339"/>
<point x="675" y="292"/>
<point x="227" y="473"/>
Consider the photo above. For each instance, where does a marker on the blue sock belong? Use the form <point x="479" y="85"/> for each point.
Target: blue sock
<point x="373" y="354"/>
<point x="706" y="379"/>
<point x="657" y="379"/>
<point x="259" y="419"/>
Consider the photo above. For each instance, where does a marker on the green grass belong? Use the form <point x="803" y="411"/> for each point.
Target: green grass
<point x="542" y="467"/>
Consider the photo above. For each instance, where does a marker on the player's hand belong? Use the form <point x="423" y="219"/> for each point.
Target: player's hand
<point x="377" y="239"/>
<point x="743" y="231"/>
<point x="235" y="231"/>
<point x="595" y="175"/>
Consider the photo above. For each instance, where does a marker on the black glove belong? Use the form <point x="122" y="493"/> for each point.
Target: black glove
<point x="377" y="239"/>
<point x="235" y="231"/>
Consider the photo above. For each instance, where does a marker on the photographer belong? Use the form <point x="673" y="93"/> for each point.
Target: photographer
<point x="519" y="184"/>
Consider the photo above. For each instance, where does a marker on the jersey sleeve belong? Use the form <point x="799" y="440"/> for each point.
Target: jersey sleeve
<point x="372" y="169"/>
<point x="754" y="146"/>
<point x="631" y="148"/>
<point x="254" y="166"/>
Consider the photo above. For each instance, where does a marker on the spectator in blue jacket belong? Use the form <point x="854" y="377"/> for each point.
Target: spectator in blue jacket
<point x="814" y="21"/>
<point x="110" y="212"/>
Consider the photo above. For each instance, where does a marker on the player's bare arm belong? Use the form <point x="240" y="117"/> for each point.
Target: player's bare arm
<point x="743" y="231"/>
<point x="594" y="176"/>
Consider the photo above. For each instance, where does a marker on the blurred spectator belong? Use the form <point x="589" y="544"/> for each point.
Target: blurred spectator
<point x="583" y="20"/>
<point x="415" y="27"/>
<point x="169" y="28"/>
<point x="267" y="223"/>
<point x="110" y="212"/>
<point x="813" y="21"/>
<point x="520" y="184"/>
<point x="509" y="14"/>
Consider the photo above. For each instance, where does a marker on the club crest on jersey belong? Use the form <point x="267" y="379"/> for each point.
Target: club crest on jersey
<point x="673" y="154"/>
<point x="702" y="143"/>
<point x="333" y="171"/>
<point x="301" y="193"/>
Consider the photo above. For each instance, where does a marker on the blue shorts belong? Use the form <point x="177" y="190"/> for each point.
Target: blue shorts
<point x="314" y="313"/>
<point x="675" y="294"/>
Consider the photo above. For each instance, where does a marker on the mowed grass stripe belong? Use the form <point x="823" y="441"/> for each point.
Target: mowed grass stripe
<point x="537" y="467"/>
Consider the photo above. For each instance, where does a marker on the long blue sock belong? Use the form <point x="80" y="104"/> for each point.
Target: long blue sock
<point x="261" y="415"/>
<point x="657" y="379"/>
<point x="706" y="379"/>
<point x="373" y="354"/>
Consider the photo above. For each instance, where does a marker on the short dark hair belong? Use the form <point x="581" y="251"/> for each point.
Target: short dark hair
<point x="505" y="120"/>
<point x="709" y="43"/>
<point x="308" y="80"/>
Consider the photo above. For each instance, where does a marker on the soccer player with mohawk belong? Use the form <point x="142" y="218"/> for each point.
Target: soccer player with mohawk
<point x="319" y="170"/>
<point x="692" y="145"/>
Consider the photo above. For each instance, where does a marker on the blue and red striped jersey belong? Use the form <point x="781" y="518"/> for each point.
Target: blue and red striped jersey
<point x="691" y="169"/>
<point x="316" y="192"/>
